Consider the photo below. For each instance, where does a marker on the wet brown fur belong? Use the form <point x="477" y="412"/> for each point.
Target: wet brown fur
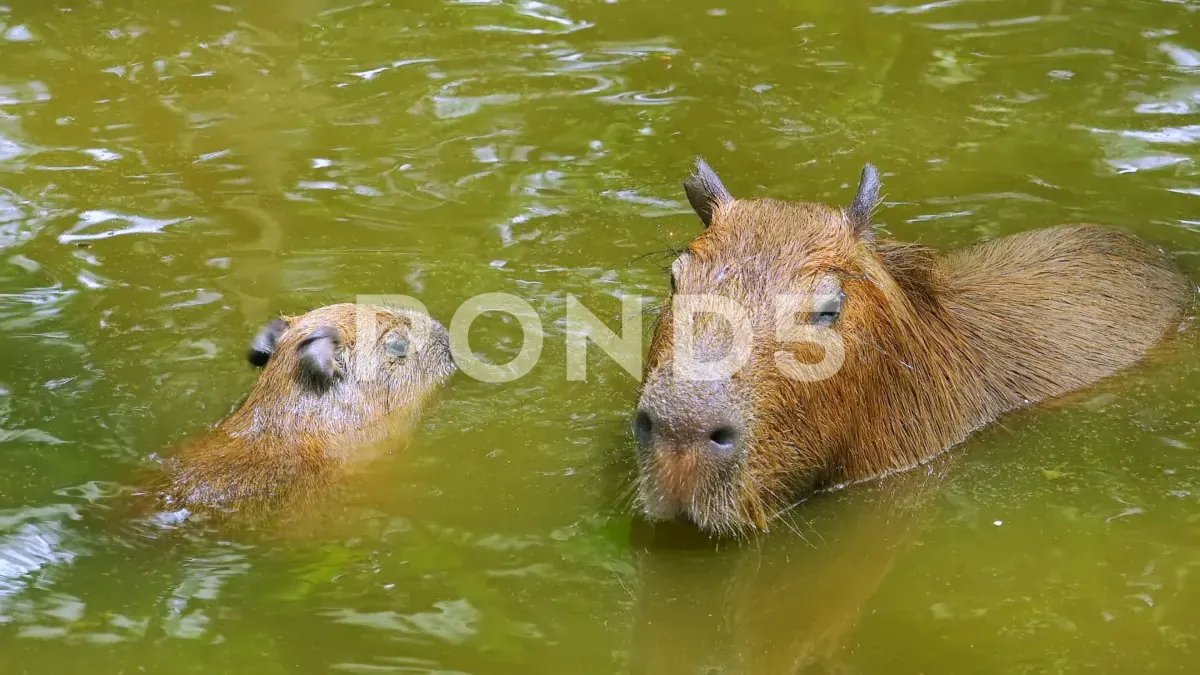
<point x="294" y="438"/>
<point x="937" y="345"/>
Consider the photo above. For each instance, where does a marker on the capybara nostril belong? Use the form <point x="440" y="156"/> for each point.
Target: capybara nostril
<point x="643" y="428"/>
<point x="724" y="439"/>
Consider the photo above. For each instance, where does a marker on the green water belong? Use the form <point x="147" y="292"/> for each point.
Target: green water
<point x="174" y="174"/>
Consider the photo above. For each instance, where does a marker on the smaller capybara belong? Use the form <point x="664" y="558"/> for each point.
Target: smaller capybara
<point x="339" y="384"/>
<point x="925" y="347"/>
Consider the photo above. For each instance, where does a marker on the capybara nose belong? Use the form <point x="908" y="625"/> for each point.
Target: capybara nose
<point x="643" y="428"/>
<point x="712" y="430"/>
<point x="724" y="438"/>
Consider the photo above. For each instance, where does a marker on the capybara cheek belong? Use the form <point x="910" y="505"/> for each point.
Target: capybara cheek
<point x="808" y="353"/>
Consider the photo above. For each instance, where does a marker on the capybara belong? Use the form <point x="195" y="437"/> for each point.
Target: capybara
<point x="338" y="385"/>
<point x="932" y="346"/>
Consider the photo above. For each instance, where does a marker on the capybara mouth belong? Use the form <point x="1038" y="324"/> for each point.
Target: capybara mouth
<point x="683" y="489"/>
<point x="722" y="517"/>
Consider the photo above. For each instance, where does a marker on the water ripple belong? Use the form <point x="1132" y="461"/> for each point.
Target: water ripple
<point x="545" y="19"/>
<point x="916" y="9"/>
<point x="132" y="224"/>
<point x="454" y="622"/>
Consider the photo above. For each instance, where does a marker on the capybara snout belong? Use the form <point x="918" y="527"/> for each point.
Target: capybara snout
<point x="692" y="439"/>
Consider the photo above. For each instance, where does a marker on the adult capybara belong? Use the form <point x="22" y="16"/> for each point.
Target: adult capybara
<point x="339" y="384"/>
<point x="902" y="351"/>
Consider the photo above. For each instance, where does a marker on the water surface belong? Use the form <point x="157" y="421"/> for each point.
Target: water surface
<point x="174" y="174"/>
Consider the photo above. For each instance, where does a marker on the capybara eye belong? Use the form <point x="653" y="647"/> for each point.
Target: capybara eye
<point x="398" y="347"/>
<point x="828" y="309"/>
<point x="263" y="344"/>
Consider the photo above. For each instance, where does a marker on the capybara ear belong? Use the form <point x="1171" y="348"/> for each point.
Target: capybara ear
<point x="705" y="191"/>
<point x="318" y="355"/>
<point x="862" y="209"/>
<point x="263" y="344"/>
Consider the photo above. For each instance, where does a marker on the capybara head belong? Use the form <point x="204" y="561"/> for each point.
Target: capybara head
<point x="819" y="313"/>
<point x="342" y="364"/>
<point x="337" y="384"/>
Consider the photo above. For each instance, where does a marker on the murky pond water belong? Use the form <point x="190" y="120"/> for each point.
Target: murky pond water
<point x="174" y="174"/>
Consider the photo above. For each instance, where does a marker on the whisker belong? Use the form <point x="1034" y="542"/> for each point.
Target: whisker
<point x="655" y="308"/>
<point x="777" y="515"/>
<point x="669" y="252"/>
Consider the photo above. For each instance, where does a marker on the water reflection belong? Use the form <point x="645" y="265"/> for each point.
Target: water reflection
<point x="185" y="614"/>
<point x="265" y="60"/>
<point x="787" y="603"/>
